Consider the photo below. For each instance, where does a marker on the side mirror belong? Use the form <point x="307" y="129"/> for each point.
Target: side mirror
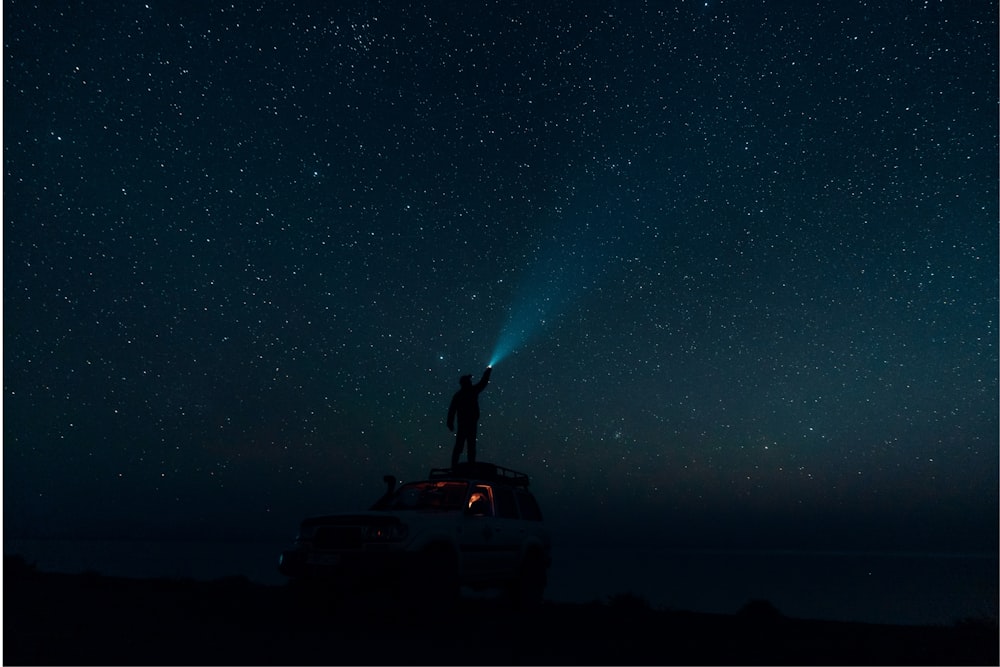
<point x="479" y="508"/>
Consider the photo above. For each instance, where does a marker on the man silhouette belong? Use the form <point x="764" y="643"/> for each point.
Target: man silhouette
<point x="465" y="405"/>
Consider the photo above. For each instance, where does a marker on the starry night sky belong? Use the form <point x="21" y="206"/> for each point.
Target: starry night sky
<point x="740" y="260"/>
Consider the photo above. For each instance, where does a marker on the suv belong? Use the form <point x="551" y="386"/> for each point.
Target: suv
<point x="474" y="525"/>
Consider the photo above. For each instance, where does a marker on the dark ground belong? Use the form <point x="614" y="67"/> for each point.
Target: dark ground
<point x="84" y="619"/>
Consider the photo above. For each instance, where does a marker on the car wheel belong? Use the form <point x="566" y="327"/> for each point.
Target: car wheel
<point x="529" y="587"/>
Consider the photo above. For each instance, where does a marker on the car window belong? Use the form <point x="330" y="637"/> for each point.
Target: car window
<point x="427" y="496"/>
<point x="506" y="506"/>
<point x="529" y="507"/>
<point x="481" y="501"/>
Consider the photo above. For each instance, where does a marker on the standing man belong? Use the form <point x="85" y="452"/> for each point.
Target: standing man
<point x="465" y="405"/>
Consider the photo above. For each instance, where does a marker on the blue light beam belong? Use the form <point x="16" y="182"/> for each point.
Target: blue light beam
<point x="569" y="262"/>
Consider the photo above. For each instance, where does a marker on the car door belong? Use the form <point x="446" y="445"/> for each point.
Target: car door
<point x="509" y="531"/>
<point x="477" y="533"/>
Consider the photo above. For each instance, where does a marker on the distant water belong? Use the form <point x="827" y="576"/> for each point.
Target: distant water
<point x="897" y="588"/>
<point x="894" y="588"/>
<point x="258" y="561"/>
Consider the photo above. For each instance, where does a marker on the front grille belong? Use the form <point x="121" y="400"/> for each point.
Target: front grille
<point x="338" y="537"/>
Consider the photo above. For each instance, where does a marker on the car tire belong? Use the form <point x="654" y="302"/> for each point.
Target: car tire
<point x="528" y="589"/>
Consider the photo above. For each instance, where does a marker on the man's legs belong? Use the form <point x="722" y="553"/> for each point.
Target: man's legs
<point x="472" y="445"/>
<point x="457" y="451"/>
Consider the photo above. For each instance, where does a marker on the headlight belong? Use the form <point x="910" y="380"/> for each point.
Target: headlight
<point x="392" y="532"/>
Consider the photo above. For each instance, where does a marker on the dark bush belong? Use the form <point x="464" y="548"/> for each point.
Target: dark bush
<point x="760" y="610"/>
<point x="628" y="602"/>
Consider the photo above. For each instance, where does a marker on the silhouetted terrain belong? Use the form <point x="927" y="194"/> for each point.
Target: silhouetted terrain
<point x="93" y="619"/>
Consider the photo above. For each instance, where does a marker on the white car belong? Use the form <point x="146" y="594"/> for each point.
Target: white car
<point x="476" y="525"/>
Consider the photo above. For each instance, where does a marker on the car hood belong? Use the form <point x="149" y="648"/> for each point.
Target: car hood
<point x="368" y="518"/>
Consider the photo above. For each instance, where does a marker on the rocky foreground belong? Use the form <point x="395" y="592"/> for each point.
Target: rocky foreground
<point x="84" y="619"/>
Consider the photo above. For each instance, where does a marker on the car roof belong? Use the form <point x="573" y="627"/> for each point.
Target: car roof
<point x="483" y="471"/>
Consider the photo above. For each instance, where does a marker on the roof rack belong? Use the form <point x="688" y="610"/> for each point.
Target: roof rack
<point x="482" y="470"/>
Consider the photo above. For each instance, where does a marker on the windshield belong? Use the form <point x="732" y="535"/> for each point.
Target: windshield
<point x="426" y="496"/>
